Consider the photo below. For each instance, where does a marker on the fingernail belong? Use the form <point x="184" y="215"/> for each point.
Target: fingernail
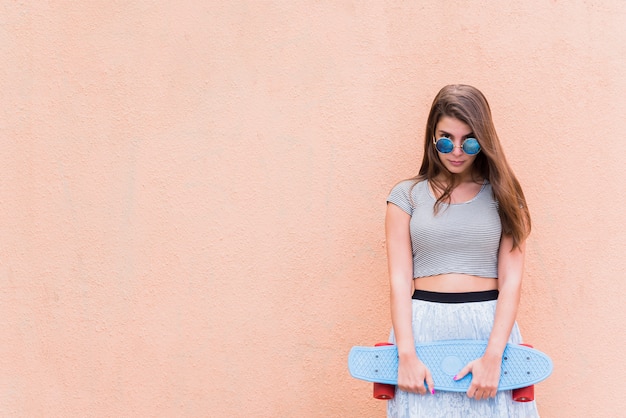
<point x="454" y="378"/>
<point x="432" y="391"/>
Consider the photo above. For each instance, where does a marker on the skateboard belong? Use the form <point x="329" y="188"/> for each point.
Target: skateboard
<point x="522" y="366"/>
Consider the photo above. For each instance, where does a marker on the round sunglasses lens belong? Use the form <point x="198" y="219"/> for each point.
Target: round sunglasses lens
<point x="444" y="145"/>
<point x="471" y="146"/>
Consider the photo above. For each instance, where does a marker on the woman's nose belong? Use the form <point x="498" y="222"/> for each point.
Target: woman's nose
<point x="457" y="150"/>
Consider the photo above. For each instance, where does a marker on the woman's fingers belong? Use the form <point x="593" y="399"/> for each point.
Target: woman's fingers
<point x="464" y="371"/>
<point x="417" y="379"/>
<point x="414" y="388"/>
<point x="481" y="391"/>
<point x="430" y="382"/>
<point x="484" y="383"/>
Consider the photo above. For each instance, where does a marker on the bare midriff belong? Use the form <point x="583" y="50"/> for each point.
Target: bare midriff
<point x="455" y="283"/>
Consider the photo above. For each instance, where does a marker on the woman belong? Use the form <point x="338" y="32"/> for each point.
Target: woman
<point x="455" y="247"/>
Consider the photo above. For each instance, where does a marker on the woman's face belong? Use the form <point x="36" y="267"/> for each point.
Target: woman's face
<point x="457" y="162"/>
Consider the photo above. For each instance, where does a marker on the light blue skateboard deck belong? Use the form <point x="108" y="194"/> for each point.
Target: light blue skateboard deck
<point x="521" y="366"/>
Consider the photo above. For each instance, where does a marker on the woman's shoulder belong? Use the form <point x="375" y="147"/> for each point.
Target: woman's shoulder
<point x="408" y="184"/>
<point x="487" y="192"/>
<point x="407" y="194"/>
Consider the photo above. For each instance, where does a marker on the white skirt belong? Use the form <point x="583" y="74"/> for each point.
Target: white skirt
<point x="434" y="321"/>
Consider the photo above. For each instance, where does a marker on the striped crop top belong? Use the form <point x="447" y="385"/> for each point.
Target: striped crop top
<point x="461" y="238"/>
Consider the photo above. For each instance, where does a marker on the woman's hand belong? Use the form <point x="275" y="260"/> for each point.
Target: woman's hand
<point x="485" y="377"/>
<point x="412" y="374"/>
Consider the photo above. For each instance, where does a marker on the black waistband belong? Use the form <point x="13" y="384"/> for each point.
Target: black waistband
<point x="455" y="297"/>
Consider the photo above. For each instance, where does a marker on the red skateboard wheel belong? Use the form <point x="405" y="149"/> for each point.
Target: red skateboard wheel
<point x="526" y="394"/>
<point x="381" y="390"/>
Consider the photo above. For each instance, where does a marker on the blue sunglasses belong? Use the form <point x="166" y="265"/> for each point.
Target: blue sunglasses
<point x="445" y="145"/>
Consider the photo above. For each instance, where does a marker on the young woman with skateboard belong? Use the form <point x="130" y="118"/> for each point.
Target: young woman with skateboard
<point x="455" y="246"/>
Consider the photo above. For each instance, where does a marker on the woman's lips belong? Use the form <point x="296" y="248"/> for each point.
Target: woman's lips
<point x="456" y="163"/>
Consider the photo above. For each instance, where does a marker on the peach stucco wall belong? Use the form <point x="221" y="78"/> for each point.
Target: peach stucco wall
<point x="192" y="195"/>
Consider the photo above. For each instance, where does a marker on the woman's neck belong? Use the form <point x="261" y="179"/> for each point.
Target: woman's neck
<point x="455" y="180"/>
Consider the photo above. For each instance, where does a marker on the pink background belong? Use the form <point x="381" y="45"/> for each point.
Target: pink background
<point x="192" y="195"/>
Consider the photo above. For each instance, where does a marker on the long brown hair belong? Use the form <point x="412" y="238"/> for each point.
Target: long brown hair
<point x="469" y="105"/>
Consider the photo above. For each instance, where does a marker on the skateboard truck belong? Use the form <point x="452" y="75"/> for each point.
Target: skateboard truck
<point x="526" y="394"/>
<point x="381" y="390"/>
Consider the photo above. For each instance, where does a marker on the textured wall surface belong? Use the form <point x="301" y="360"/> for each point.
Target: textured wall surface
<point x="192" y="195"/>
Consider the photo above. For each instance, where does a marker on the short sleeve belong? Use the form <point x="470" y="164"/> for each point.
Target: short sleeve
<point x="401" y="197"/>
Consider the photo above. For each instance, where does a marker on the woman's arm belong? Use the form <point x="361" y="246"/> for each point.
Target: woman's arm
<point x="486" y="370"/>
<point x="510" y="271"/>
<point x="411" y="372"/>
